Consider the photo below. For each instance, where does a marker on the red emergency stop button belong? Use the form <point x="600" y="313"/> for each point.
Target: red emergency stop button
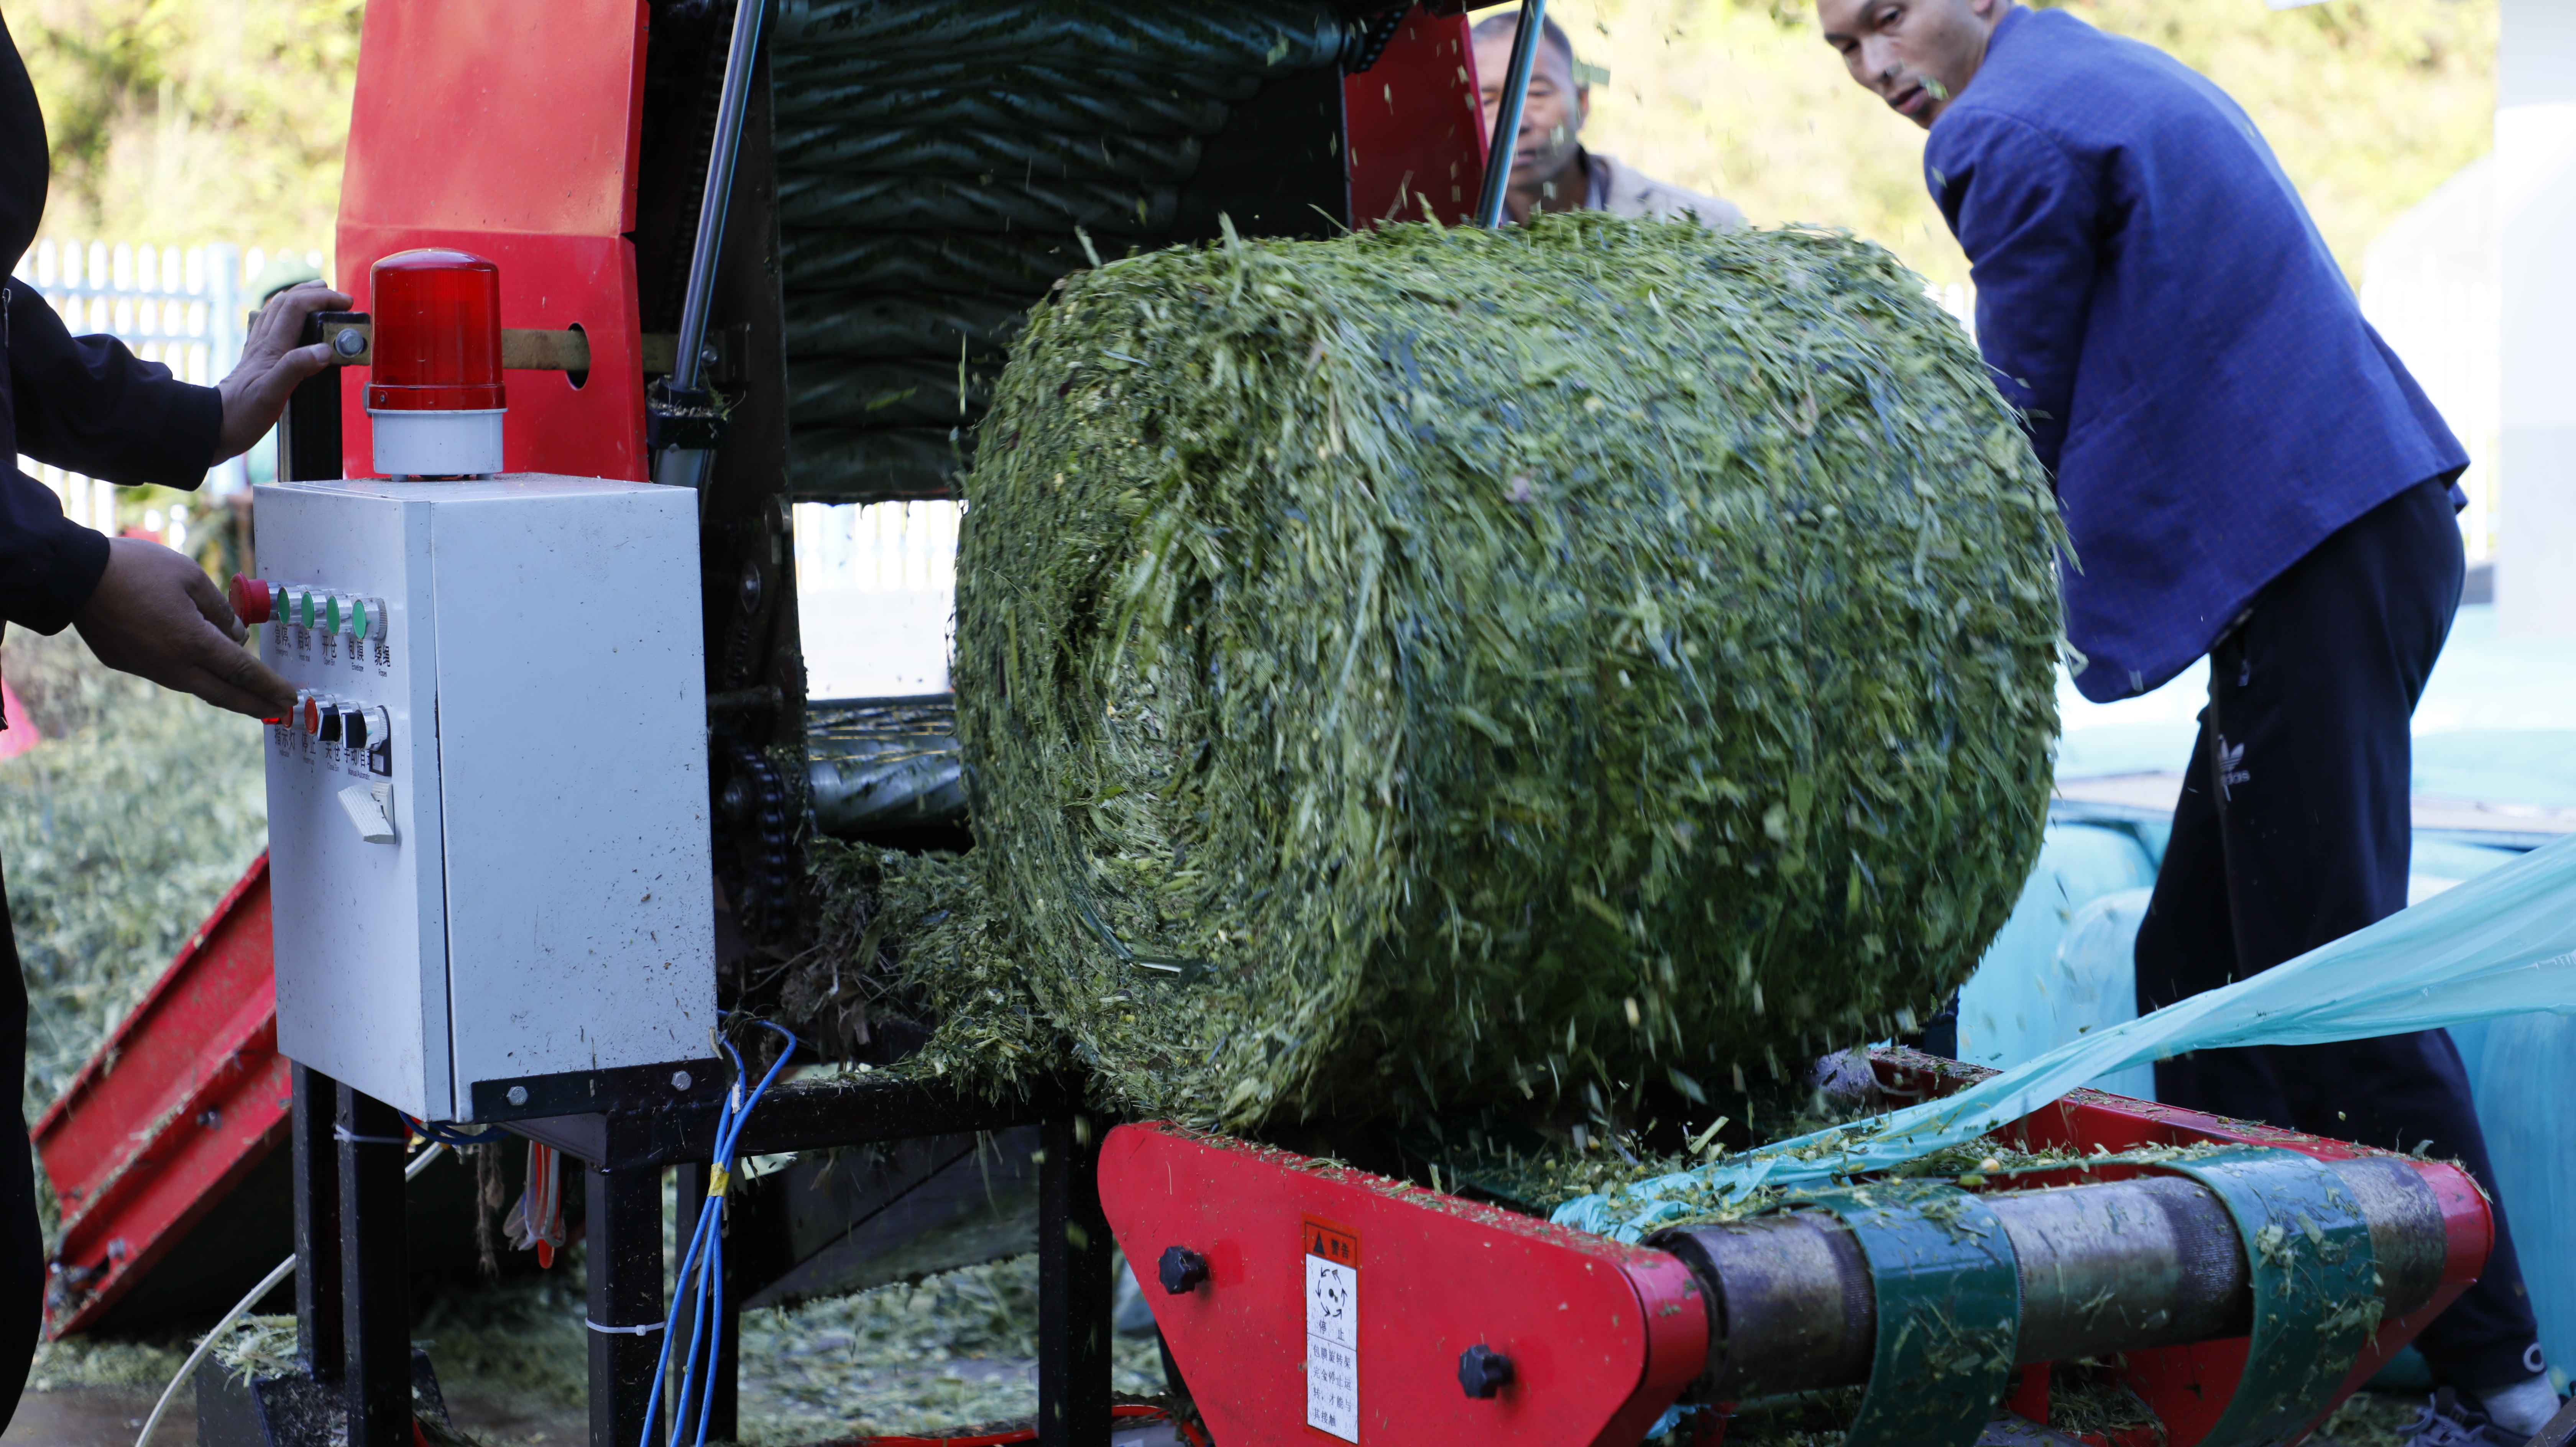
<point x="250" y="599"/>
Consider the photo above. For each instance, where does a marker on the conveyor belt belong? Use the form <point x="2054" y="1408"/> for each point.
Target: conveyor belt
<point x="938" y="169"/>
<point x="947" y="151"/>
<point x="896" y="324"/>
<point x="1010" y="97"/>
<point x="1219" y="35"/>
<point x="872" y="393"/>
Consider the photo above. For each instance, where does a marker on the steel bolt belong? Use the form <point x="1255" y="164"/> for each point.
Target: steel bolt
<point x="680" y="1080"/>
<point x="1182" y="1270"/>
<point x="518" y="1095"/>
<point x="1483" y="1371"/>
<point x="349" y="342"/>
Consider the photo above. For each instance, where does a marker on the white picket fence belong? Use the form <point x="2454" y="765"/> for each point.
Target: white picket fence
<point x="876" y="585"/>
<point x="180" y="306"/>
<point x="886" y="547"/>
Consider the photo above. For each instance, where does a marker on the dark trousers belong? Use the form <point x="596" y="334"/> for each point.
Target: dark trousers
<point x="2293" y="830"/>
<point x="22" y="1241"/>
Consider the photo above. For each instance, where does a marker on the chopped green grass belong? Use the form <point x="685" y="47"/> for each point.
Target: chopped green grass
<point x="1437" y="666"/>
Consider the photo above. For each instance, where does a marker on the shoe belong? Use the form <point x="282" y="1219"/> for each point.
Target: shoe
<point x="2449" y="1420"/>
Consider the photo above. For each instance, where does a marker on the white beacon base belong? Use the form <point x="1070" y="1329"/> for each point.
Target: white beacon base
<point x="437" y="444"/>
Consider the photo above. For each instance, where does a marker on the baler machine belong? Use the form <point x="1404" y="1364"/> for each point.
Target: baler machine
<point x="536" y="822"/>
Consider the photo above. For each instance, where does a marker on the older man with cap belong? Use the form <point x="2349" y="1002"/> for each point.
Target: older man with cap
<point x="1551" y="171"/>
<point x="2250" y="476"/>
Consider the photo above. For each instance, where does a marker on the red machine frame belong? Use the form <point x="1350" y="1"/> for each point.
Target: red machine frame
<point x="185" y="1099"/>
<point x="512" y="131"/>
<point x="1602" y="1337"/>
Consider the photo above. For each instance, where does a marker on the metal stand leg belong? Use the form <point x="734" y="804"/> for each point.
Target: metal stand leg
<point x="374" y="1267"/>
<point x="1073" y="1288"/>
<point x="625" y="1235"/>
<point x="317" y="1224"/>
<point x="723" y="1392"/>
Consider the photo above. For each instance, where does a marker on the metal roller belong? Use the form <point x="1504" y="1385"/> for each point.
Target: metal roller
<point x="2116" y="1266"/>
<point x="884" y="464"/>
<point x="902" y="324"/>
<point x="1207" y="35"/>
<point x="885" y="764"/>
<point x="1007" y="98"/>
<point x="1026" y="155"/>
<point x="922" y="203"/>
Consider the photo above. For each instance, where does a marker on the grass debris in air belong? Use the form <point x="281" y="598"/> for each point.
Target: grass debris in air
<point x="1435" y="666"/>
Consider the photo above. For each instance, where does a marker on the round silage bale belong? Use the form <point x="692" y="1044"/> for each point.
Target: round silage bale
<point x="1434" y="665"/>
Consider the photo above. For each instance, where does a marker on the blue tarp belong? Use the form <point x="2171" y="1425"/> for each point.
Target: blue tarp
<point x="2498" y="946"/>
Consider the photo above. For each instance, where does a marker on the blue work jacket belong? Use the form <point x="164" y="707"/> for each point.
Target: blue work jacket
<point x="2194" y="368"/>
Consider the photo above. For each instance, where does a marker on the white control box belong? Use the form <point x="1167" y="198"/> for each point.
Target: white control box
<point x="488" y="823"/>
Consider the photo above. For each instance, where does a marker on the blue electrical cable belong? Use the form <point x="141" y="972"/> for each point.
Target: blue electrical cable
<point x="706" y="1252"/>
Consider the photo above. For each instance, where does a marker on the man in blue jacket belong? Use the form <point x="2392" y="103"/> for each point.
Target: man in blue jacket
<point x="2250" y="474"/>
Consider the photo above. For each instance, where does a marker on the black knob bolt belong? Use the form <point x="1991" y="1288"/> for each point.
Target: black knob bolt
<point x="1483" y="1371"/>
<point x="1182" y="1270"/>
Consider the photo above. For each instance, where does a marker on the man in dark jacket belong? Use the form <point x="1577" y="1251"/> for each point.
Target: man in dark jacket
<point x="87" y="404"/>
<point x="2249" y="474"/>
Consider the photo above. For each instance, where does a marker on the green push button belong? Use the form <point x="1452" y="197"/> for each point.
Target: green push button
<point x="358" y="618"/>
<point x="331" y="614"/>
<point x="304" y="607"/>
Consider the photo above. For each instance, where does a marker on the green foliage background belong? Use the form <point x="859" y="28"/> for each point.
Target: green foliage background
<point x="193" y="120"/>
<point x="2370" y="103"/>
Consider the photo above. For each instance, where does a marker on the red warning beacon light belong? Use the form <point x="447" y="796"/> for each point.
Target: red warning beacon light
<point x="434" y="394"/>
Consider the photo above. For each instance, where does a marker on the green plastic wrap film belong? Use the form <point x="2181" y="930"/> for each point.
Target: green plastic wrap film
<point x="2501" y="944"/>
<point x="2316" y="1288"/>
<point x="1948" y="1292"/>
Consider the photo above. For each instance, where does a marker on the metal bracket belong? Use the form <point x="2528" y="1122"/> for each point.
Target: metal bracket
<point x="684" y="418"/>
<point x="352" y="338"/>
<point x="1949" y="1312"/>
